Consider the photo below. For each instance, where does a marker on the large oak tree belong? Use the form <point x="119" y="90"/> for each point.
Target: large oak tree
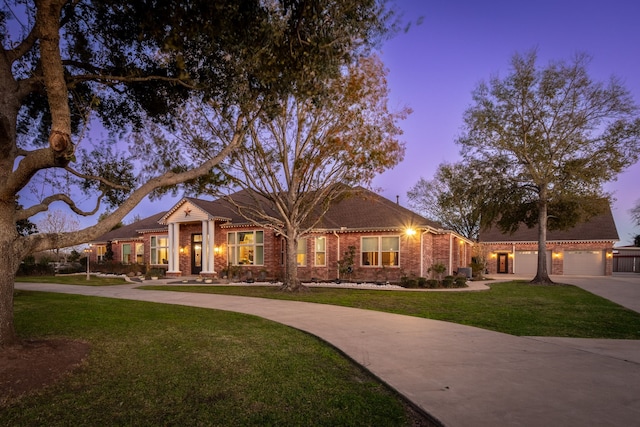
<point x="65" y="65"/>
<point x="549" y="137"/>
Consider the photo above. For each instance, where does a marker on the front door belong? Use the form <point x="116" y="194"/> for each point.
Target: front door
<point x="503" y="263"/>
<point x="196" y="253"/>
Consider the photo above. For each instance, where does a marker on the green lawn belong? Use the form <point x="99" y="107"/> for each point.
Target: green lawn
<point x="157" y="364"/>
<point x="74" y="279"/>
<point x="516" y="308"/>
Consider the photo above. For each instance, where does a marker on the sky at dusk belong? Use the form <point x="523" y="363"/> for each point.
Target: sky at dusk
<point x="434" y="67"/>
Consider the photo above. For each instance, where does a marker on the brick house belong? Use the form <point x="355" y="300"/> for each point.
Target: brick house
<point x="586" y="249"/>
<point x="209" y="238"/>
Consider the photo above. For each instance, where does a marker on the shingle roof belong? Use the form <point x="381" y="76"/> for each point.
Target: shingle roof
<point x="365" y="209"/>
<point x="362" y="210"/>
<point x="600" y="228"/>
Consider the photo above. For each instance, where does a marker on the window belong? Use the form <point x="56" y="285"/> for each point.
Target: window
<point x="126" y="253"/>
<point x="159" y="250"/>
<point x="301" y="256"/>
<point x="100" y="251"/>
<point x="246" y="247"/>
<point x="321" y="251"/>
<point x="139" y="253"/>
<point x="381" y="251"/>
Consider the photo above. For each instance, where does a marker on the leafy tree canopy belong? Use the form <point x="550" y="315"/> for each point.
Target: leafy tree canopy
<point x="455" y="198"/>
<point x="547" y="139"/>
<point x="66" y="66"/>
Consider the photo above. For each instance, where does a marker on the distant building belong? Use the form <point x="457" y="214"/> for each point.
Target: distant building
<point x="626" y="259"/>
<point x="586" y="249"/>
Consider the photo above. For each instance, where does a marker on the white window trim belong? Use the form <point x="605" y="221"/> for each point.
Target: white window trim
<point x="316" y="252"/>
<point x="101" y="250"/>
<point x="233" y="247"/>
<point x="156" y="247"/>
<point x="380" y="251"/>
<point x="130" y="253"/>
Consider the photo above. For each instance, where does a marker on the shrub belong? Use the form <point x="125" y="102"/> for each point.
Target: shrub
<point x="156" y="272"/>
<point x="408" y="282"/>
<point x="447" y="282"/>
<point x="432" y="284"/>
<point x="477" y="269"/>
<point x="460" y="282"/>
<point x="32" y="269"/>
<point x="112" y="267"/>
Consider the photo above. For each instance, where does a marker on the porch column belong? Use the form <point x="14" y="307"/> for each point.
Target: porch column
<point x="205" y="247"/>
<point x="211" y="245"/>
<point x="174" y="248"/>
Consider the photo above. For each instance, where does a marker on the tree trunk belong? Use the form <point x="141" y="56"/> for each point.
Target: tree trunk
<point x="7" y="331"/>
<point x="9" y="263"/>
<point x="291" y="281"/>
<point x="542" y="275"/>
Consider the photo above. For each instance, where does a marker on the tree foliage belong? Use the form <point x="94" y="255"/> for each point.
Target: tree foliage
<point x="296" y="163"/>
<point x="455" y="198"/>
<point x="548" y="138"/>
<point x="67" y="66"/>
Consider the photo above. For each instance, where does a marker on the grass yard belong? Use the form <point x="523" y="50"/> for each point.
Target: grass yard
<point x="74" y="279"/>
<point x="155" y="364"/>
<point x="515" y="308"/>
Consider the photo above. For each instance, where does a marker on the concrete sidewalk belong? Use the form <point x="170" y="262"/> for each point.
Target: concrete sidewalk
<point x="460" y="375"/>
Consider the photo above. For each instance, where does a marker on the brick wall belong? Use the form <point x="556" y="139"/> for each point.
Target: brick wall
<point x="435" y="249"/>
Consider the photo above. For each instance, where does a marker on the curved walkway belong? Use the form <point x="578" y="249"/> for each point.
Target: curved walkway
<point x="460" y="375"/>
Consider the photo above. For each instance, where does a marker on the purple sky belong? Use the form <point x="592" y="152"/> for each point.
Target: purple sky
<point x="434" y="67"/>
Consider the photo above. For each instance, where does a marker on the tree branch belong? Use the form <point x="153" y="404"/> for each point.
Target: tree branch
<point x="110" y="79"/>
<point x="36" y="242"/>
<point x="46" y="202"/>
<point x="96" y="178"/>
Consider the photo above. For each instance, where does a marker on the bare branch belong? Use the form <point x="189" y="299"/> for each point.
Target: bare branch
<point x="96" y="178"/>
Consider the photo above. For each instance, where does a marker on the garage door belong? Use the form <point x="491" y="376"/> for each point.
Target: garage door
<point x="584" y="263"/>
<point x="526" y="262"/>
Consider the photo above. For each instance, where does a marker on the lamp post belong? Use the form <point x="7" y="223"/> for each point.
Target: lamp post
<point x="88" y="252"/>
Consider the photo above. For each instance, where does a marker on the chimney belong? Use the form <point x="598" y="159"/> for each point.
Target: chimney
<point x="397" y="200"/>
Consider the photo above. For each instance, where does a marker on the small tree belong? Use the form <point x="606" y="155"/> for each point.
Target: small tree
<point x="108" y="253"/>
<point x="346" y="263"/>
<point x="549" y="138"/>
<point x="438" y="270"/>
<point x="635" y="213"/>
<point x="57" y="222"/>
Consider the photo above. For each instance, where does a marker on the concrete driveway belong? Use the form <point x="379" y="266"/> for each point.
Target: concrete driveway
<point x="621" y="288"/>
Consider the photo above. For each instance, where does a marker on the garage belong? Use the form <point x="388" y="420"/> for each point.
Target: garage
<point x="584" y="263"/>
<point x="526" y="262"/>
